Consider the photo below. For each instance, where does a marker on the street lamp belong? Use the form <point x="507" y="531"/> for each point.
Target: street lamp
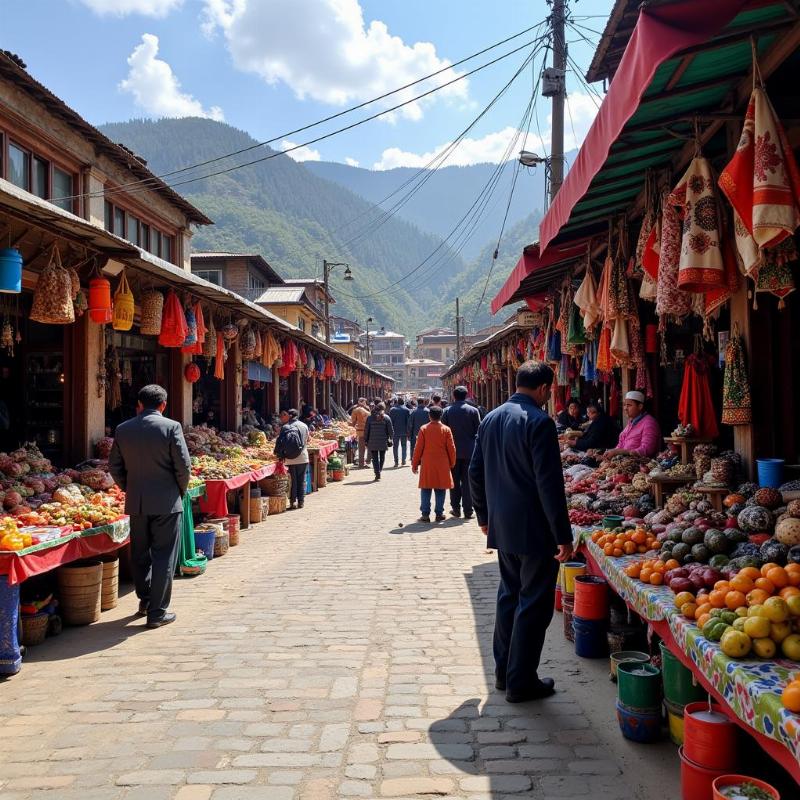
<point x="369" y="319"/>
<point x="532" y="160"/>
<point x="327" y="266"/>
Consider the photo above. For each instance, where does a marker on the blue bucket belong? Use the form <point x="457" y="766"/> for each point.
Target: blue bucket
<point x="638" y="725"/>
<point x="590" y="637"/>
<point x="770" y="472"/>
<point x="10" y="271"/>
<point x="204" y="541"/>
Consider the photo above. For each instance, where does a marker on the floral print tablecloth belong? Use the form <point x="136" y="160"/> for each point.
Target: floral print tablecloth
<point x="751" y="688"/>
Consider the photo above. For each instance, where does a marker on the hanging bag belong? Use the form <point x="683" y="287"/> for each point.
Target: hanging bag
<point x="52" y="298"/>
<point x="173" y="326"/>
<point x="152" y="313"/>
<point x="123" y="306"/>
<point x="210" y="342"/>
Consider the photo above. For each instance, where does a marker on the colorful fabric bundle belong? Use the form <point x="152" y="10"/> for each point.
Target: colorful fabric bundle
<point x="695" y="406"/>
<point x="173" y="324"/>
<point x="604" y="363"/>
<point x="191" y="328"/>
<point x="586" y="300"/>
<point x="271" y="350"/>
<point x="289" y="358"/>
<point x="219" y="359"/>
<point x="197" y="348"/>
<point x="737" y="404"/>
<point x="672" y="304"/>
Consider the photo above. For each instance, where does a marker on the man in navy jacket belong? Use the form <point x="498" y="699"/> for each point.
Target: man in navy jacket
<point x="463" y="420"/>
<point x="518" y="496"/>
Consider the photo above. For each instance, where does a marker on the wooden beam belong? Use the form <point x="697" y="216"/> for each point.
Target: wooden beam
<point x="679" y="71"/>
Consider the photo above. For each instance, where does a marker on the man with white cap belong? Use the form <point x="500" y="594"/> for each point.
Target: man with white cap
<point x="641" y="436"/>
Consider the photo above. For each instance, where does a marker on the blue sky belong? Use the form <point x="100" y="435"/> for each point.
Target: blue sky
<point x="268" y="66"/>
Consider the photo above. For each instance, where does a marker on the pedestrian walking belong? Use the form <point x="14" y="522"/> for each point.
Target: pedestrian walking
<point x="378" y="434"/>
<point x="399" y="416"/>
<point x="518" y="495"/>
<point x="463" y="420"/>
<point x="358" y="419"/>
<point x="291" y="447"/>
<point x="419" y="417"/>
<point x="150" y="462"/>
<point x="436" y="453"/>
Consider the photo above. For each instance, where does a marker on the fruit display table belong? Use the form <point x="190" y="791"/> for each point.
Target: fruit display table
<point x="17" y="566"/>
<point x="749" y="690"/>
<point x="666" y="484"/>
<point x="318" y="453"/>
<point x="215" y="501"/>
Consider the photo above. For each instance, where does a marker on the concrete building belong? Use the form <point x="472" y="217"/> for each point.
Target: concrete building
<point x="439" y="344"/>
<point x="422" y="375"/>
<point x="387" y="349"/>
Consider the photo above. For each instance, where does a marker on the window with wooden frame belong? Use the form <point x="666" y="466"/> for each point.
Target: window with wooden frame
<point x="131" y="227"/>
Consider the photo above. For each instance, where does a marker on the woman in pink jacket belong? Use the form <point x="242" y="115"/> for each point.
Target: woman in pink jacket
<point x="642" y="435"/>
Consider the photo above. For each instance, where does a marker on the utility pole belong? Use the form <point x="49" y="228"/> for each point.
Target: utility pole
<point x="458" y="331"/>
<point x="559" y="97"/>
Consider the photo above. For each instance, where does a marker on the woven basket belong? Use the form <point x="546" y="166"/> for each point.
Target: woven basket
<point x="277" y="505"/>
<point x="221" y="543"/>
<point x="151" y="314"/>
<point x="34" y="628"/>
<point x="330" y="435"/>
<point x="275" y="486"/>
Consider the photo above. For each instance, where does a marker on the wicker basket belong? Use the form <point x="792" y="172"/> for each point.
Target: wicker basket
<point x="275" y="485"/>
<point x="277" y="505"/>
<point x="34" y="628"/>
<point x="79" y="589"/>
<point x="221" y="543"/>
<point x="151" y="313"/>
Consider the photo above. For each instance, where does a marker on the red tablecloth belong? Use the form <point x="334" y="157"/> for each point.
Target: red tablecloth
<point x="215" y="502"/>
<point x="94" y="542"/>
<point x="326" y="448"/>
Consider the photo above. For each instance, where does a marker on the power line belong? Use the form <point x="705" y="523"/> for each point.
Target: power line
<point x="148" y="181"/>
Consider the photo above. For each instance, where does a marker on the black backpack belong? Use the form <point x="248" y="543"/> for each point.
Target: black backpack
<point x="289" y="443"/>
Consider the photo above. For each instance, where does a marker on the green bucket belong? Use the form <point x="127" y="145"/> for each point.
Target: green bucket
<point x="612" y="521"/>
<point x="679" y="685"/>
<point x="639" y="685"/>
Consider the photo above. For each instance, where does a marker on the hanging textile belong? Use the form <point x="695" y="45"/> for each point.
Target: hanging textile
<point x="649" y="288"/>
<point x="715" y="298"/>
<point x="562" y="378"/>
<point x="638" y="359"/>
<point x="649" y="223"/>
<point x="604" y="289"/>
<point x="700" y="262"/>
<point x="620" y="343"/>
<point x="695" y="406"/>
<point x="762" y="182"/>
<point x="554" y="347"/>
<point x="586" y="300"/>
<point x="604" y="363"/>
<point x="259" y="349"/>
<point x="737" y="406"/>
<point x="672" y="304"/>
<point x="174" y="328"/>
<point x="589" y="362"/>
<point x="196" y="349"/>
<point x="774" y="275"/>
<point x="613" y="400"/>
<point x="219" y="359"/>
<point x="289" y="358"/>
<point x="272" y="350"/>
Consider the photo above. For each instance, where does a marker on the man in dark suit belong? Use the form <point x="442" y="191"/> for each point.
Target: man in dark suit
<point x="150" y="462"/>
<point x="518" y="495"/>
<point x="463" y="420"/>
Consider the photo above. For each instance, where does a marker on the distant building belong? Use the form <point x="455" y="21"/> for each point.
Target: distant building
<point x="439" y="344"/>
<point x="388" y="349"/>
<point x="422" y="375"/>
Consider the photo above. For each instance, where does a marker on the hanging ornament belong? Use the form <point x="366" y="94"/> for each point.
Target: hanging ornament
<point x="100" y="308"/>
<point x="7" y="338"/>
<point x="191" y="372"/>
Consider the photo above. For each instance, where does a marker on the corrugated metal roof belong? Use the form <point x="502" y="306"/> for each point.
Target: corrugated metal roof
<point x="282" y="294"/>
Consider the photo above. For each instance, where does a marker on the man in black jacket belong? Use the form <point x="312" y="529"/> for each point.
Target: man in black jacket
<point x="150" y="462"/>
<point x="463" y="420"/>
<point x="518" y="495"/>
<point x="601" y="434"/>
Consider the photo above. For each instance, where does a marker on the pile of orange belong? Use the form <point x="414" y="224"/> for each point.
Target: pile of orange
<point x="651" y="571"/>
<point x="790" y="697"/>
<point x="624" y="544"/>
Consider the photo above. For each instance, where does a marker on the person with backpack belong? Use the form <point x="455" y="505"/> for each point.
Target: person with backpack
<point x="291" y="447"/>
<point x="378" y="434"/>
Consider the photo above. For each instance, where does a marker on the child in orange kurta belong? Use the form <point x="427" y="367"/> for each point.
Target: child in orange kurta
<point x="435" y="451"/>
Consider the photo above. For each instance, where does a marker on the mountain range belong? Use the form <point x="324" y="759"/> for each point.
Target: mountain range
<point x="407" y="272"/>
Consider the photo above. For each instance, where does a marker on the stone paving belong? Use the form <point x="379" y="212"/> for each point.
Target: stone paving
<point x="342" y="651"/>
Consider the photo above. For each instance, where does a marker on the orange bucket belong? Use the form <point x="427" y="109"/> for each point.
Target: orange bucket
<point x="591" y="597"/>
<point x="709" y="737"/>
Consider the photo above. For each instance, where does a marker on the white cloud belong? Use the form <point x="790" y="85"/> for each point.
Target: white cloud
<point x="156" y="89"/>
<point x="492" y="147"/>
<point x="324" y="50"/>
<point x="351" y="162"/>
<point x="122" y="8"/>
<point x="302" y="153"/>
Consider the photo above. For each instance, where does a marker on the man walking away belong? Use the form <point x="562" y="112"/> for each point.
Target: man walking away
<point x="358" y="419"/>
<point x="291" y="447"/>
<point x="399" y="415"/>
<point x="463" y="420"/>
<point x="436" y="452"/>
<point x="378" y="433"/>
<point x="419" y="417"/>
<point x="149" y="461"/>
<point x="518" y="494"/>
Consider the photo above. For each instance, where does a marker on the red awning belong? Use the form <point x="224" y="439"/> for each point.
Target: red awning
<point x="661" y="31"/>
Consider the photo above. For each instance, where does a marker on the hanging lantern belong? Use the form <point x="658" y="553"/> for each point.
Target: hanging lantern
<point x="10" y="271"/>
<point x="100" y="308"/>
<point x="651" y="338"/>
<point x="229" y="332"/>
<point x="191" y="372"/>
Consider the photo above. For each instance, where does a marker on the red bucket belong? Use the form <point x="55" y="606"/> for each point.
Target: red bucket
<point x="568" y="603"/>
<point x="696" y="781"/>
<point x="591" y="597"/>
<point x="233" y="524"/>
<point x="709" y="738"/>
<point x="559" y="605"/>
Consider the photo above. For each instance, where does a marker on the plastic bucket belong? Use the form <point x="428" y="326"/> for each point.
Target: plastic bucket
<point x="571" y="571"/>
<point x="558" y="604"/>
<point x="591" y="597"/>
<point x="696" y="780"/>
<point x="639" y="685"/>
<point x="568" y="603"/>
<point x="679" y="685"/>
<point x="770" y="472"/>
<point x="709" y="739"/>
<point x="560" y="580"/>
<point x="639" y="725"/>
<point x="612" y="521"/>
<point x="590" y="637"/>
<point x="204" y="537"/>
<point x="675" y="721"/>
<point x="731" y="780"/>
<point x="622" y="656"/>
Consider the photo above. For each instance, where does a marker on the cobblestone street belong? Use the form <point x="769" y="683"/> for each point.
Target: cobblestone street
<point x="332" y="654"/>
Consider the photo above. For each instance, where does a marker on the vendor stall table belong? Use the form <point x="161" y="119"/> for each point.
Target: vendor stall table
<point x="715" y="494"/>
<point x="685" y="446"/>
<point x="318" y="453"/>
<point x="22" y="564"/>
<point x="747" y="690"/>
<point x="215" y="502"/>
<point x="666" y="484"/>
